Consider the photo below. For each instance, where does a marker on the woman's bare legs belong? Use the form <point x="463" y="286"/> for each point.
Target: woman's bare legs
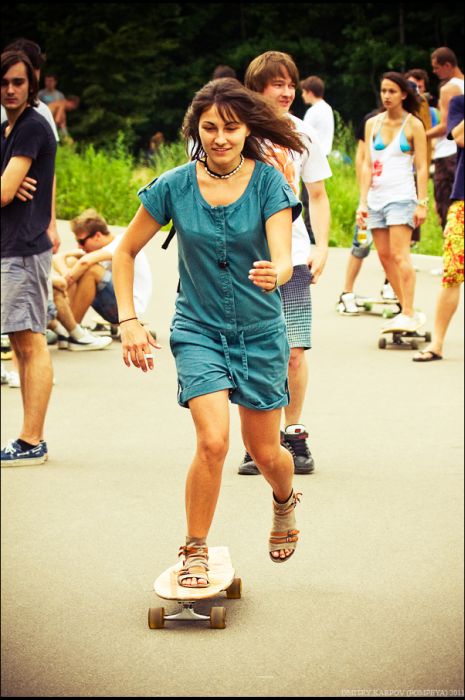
<point x="383" y="248"/>
<point x="393" y="246"/>
<point x="261" y="436"/>
<point x="400" y="237"/>
<point x="211" y="419"/>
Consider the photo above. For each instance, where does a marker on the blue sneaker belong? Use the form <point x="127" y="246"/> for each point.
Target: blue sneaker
<point x="14" y="456"/>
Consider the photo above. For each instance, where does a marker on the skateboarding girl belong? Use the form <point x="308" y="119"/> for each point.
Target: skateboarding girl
<point x="233" y="216"/>
<point x="390" y="206"/>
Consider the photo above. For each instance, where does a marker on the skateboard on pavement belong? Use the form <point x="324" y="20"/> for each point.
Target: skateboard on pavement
<point x="221" y="577"/>
<point x="390" y="307"/>
<point x="405" y="340"/>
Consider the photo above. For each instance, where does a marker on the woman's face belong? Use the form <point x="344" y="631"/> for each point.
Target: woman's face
<point x="222" y="141"/>
<point x="391" y="94"/>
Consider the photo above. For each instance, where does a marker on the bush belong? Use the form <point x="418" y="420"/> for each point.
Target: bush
<point x="100" y="179"/>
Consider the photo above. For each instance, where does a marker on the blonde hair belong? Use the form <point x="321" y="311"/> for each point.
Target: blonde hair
<point x="90" y="221"/>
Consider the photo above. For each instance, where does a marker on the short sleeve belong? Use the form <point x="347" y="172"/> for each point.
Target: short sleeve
<point x="155" y="197"/>
<point x="279" y="195"/>
<point x="29" y="140"/>
<point x="455" y="114"/>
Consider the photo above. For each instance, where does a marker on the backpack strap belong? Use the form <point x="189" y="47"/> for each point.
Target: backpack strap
<point x="169" y="238"/>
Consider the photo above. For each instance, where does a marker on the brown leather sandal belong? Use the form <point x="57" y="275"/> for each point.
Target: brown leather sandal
<point x="195" y="563"/>
<point x="284" y="535"/>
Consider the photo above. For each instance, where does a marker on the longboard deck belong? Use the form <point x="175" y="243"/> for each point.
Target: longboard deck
<point x="361" y="301"/>
<point x="220" y="575"/>
<point x="404" y="333"/>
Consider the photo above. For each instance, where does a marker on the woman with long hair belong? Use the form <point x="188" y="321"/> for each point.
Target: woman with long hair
<point x="233" y="215"/>
<point x="390" y="205"/>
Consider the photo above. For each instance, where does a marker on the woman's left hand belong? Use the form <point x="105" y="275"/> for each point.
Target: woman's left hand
<point x="419" y="215"/>
<point x="264" y="275"/>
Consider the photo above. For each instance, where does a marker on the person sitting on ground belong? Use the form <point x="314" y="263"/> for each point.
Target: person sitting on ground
<point x="88" y="272"/>
<point x="71" y="335"/>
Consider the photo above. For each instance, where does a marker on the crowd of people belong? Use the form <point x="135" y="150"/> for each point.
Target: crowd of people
<point x="247" y="258"/>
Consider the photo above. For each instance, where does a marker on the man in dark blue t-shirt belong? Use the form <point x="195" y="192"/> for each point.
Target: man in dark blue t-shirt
<point x="28" y="148"/>
<point x="452" y="279"/>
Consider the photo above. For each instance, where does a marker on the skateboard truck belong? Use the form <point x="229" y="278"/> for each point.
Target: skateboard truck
<point x="186" y="612"/>
<point x="217" y="617"/>
<point x="404" y="340"/>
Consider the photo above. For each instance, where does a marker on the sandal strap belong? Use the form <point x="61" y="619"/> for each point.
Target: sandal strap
<point x="194" y="556"/>
<point x="277" y="538"/>
<point x="293" y="501"/>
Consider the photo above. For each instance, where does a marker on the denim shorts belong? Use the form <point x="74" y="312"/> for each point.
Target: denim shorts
<point x="105" y="300"/>
<point x="251" y="365"/>
<point x="25" y="292"/>
<point x="392" y="214"/>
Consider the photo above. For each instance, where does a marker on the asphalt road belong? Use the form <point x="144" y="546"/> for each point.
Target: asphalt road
<point x="372" y="601"/>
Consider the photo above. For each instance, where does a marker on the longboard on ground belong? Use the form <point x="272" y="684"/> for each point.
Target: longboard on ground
<point x="221" y="577"/>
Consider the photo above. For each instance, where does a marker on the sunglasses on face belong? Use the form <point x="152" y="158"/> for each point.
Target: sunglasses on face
<point x="81" y="241"/>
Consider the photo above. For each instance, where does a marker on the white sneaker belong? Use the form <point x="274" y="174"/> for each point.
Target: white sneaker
<point x="420" y="319"/>
<point x="14" y="381"/>
<point x="387" y="293"/>
<point x="347" y="304"/>
<point x="404" y="324"/>
<point x="89" y="342"/>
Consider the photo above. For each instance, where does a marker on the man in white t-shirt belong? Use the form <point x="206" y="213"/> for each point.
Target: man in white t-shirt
<point x="275" y="75"/>
<point x="88" y="272"/>
<point x="320" y="115"/>
<point x="321" y="118"/>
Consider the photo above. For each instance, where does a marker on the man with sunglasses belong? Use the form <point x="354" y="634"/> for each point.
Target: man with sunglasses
<point x="88" y="275"/>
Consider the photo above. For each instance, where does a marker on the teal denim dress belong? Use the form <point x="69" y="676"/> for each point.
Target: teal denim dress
<point x="226" y="333"/>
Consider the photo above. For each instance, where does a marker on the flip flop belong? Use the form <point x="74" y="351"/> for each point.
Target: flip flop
<point x="423" y="356"/>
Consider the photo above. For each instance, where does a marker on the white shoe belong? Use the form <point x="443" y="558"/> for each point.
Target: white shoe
<point x="347" y="304"/>
<point x="405" y="324"/>
<point x="387" y="293"/>
<point x="14" y="381"/>
<point x="89" y="342"/>
<point x="420" y="319"/>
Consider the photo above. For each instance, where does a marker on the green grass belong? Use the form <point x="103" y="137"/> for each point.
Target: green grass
<point x="108" y="181"/>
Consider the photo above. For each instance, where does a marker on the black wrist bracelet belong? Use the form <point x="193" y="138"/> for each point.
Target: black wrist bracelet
<point x="133" y="318"/>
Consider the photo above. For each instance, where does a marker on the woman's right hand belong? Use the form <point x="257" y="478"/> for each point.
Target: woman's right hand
<point x="137" y="344"/>
<point x="361" y="216"/>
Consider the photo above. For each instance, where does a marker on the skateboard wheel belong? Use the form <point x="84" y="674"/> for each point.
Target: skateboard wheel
<point x="388" y="313"/>
<point x="218" y="618"/>
<point x="414" y="345"/>
<point x="156" y="618"/>
<point x="235" y="589"/>
<point x="428" y="337"/>
<point x="367" y="306"/>
<point x="382" y="342"/>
